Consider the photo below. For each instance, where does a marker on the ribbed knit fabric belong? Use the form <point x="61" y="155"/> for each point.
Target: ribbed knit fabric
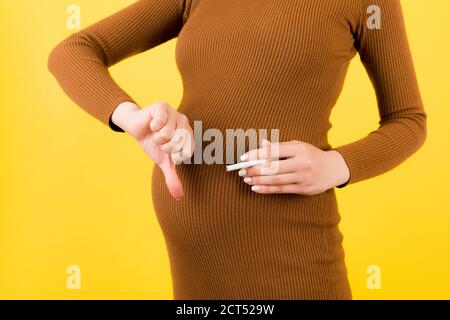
<point x="257" y="64"/>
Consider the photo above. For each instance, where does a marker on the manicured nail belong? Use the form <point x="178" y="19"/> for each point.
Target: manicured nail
<point x="242" y="172"/>
<point x="247" y="179"/>
<point x="256" y="188"/>
<point x="244" y="157"/>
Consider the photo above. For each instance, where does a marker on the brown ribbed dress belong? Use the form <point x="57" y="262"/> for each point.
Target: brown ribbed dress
<point x="257" y="64"/>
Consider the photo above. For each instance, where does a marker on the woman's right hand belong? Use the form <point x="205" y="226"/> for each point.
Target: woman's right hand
<point x="163" y="133"/>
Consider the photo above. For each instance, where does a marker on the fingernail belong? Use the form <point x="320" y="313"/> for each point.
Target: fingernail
<point x="244" y="157"/>
<point x="242" y="172"/>
<point x="265" y="142"/>
<point x="256" y="188"/>
<point x="247" y="179"/>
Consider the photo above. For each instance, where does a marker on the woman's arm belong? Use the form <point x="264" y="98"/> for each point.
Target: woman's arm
<point x="306" y="169"/>
<point x="386" y="56"/>
<point x="80" y="62"/>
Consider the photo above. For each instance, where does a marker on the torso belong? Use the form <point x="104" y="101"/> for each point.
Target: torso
<point x="258" y="64"/>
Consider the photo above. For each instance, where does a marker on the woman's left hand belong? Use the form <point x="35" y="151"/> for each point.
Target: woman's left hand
<point x="296" y="167"/>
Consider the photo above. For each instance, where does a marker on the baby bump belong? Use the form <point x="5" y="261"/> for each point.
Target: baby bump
<point x="218" y="208"/>
<point x="211" y="201"/>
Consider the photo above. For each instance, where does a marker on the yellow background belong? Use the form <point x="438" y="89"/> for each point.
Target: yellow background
<point x="75" y="193"/>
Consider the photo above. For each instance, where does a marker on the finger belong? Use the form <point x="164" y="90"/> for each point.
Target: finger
<point x="275" y="180"/>
<point x="272" y="150"/>
<point x="173" y="182"/>
<point x="165" y="133"/>
<point x="177" y="157"/>
<point x="160" y="115"/>
<point x="186" y="153"/>
<point x="174" y="145"/>
<point x="272" y="168"/>
<point x="265" y="143"/>
<point x="287" y="188"/>
<point x="188" y="144"/>
<point x="255" y="154"/>
<point x="182" y="132"/>
<point x="185" y="148"/>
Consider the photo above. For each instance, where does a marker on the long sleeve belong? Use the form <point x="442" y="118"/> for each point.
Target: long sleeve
<point x="386" y="56"/>
<point x="80" y="62"/>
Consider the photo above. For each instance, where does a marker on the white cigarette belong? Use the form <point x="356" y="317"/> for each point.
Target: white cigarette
<point x="242" y="165"/>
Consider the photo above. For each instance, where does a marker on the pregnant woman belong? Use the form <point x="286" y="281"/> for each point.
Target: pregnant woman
<point x="247" y="64"/>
